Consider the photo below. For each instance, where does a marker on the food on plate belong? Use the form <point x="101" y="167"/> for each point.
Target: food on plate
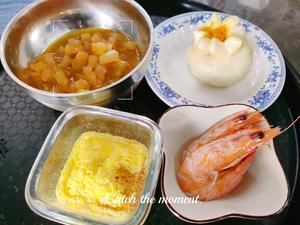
<point x="220" y="54"/>
<point x="101" y="170"/>
<point x="82" y="60"/>
<point x="215" y="163"/>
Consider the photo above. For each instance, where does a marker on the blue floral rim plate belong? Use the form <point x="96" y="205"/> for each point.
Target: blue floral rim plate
<point x="168" y="60"/>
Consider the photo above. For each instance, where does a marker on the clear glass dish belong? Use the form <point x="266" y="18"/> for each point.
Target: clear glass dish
<point x="44" y="175"/>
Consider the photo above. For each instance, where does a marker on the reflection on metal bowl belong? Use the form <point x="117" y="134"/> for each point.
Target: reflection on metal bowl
<point x="42" y="22"/>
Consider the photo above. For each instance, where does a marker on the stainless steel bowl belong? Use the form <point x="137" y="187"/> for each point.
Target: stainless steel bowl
<point x="41" y="22"/>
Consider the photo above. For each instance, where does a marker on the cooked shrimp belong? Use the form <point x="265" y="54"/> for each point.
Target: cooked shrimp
<point x="228" y="125"/>
<point x="214" y="169"/>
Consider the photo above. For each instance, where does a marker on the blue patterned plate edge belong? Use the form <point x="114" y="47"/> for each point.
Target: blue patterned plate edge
<point x="263" y="99"/>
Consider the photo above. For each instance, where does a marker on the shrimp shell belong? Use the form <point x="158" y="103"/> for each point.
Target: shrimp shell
<point x="215" y="166"/>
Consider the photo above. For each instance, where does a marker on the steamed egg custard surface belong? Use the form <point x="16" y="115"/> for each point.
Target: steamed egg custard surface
<point x="100" y="171"/>
<point x="220" y="54"/>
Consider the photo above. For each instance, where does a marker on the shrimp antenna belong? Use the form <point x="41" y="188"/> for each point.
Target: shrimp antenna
<point x="285" y="129"/>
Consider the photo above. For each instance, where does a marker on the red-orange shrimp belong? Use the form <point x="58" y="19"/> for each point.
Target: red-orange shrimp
<point x="228" y="125"/>
<point x="214" y="169"/>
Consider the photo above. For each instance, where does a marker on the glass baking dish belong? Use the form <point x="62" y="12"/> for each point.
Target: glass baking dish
<point x="45" y="172"/>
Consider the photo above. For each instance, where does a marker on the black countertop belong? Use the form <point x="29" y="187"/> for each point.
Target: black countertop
<point x="24" y="124"/>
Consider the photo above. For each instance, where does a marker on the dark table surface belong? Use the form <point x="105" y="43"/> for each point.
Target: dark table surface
<point x="24" y="124"/>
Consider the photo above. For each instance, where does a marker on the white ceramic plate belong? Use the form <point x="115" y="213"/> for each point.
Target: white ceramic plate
<point x="263" y="191"/>
<point x="169" y="77"/>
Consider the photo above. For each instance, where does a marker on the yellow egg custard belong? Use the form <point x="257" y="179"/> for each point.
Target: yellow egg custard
<point x="101" y="170"/>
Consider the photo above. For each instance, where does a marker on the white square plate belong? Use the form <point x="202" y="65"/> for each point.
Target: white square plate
<point x="263" y="191"/>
